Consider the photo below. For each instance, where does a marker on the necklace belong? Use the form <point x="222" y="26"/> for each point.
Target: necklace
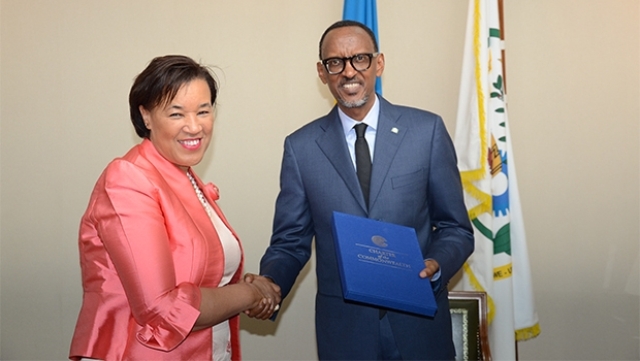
<point x="200" y="195"/>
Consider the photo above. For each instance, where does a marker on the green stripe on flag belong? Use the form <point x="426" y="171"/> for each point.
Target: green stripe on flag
<point x="482" y="228"/>
<point x="502" y="242"/>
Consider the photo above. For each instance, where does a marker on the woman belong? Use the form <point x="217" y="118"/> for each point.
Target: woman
<point x="155" y="249"/>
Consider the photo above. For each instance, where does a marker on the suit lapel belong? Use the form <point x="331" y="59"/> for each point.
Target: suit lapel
<point x="389" y="136"/>
<point x="178" y="182"/>
<point x="334" y="146"/>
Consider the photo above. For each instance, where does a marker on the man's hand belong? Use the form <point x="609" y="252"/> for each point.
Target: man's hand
<point x="430" y="268"/>
<point x="271" y="296"/>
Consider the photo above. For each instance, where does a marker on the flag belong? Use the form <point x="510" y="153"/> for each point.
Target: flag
<point x="499" y="265"/>
<point x="364" y="11"/>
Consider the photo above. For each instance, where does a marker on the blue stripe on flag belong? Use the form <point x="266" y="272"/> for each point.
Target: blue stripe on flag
<point x="364" y="11"/>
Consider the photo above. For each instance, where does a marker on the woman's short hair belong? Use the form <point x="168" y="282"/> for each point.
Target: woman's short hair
<point x="159" y="83"/>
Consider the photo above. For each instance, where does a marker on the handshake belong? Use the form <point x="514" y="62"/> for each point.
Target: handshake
<point x="266" y="294"/>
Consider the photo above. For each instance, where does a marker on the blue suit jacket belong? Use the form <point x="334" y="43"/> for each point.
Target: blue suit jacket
<point x="415" y="182"/>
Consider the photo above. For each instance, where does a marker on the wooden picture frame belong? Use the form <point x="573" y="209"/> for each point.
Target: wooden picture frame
<point x="469" y="325"/>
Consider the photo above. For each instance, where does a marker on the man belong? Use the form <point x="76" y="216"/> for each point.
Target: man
<point x="414" y="182"/>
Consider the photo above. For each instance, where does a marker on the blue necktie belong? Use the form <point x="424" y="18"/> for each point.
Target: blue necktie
<point x="363" y="161"/>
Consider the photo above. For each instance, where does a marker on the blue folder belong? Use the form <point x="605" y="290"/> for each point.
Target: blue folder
<point x="380" y="263"/>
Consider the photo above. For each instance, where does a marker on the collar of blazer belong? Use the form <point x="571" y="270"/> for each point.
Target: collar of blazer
<point x="389" y="136"/>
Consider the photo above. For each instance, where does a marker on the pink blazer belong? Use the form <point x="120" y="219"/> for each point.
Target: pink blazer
<point x="146" y="246"/>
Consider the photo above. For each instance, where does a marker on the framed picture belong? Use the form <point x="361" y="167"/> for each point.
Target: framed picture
<point x="469" y="325"/>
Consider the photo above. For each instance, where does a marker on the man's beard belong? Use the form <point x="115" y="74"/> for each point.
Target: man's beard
<point x="354" y="104"/>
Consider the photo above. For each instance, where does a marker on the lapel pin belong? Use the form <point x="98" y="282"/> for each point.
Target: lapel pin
<point x="394" y="130"/>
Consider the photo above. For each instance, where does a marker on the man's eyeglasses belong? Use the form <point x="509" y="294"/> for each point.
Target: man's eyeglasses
<point x="359" y="62"/>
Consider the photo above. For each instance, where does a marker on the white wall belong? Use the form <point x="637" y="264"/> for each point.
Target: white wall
<point x="573" y="78"/>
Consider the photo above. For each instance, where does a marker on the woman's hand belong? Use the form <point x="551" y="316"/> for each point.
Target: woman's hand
<point x="268" y="293"/>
